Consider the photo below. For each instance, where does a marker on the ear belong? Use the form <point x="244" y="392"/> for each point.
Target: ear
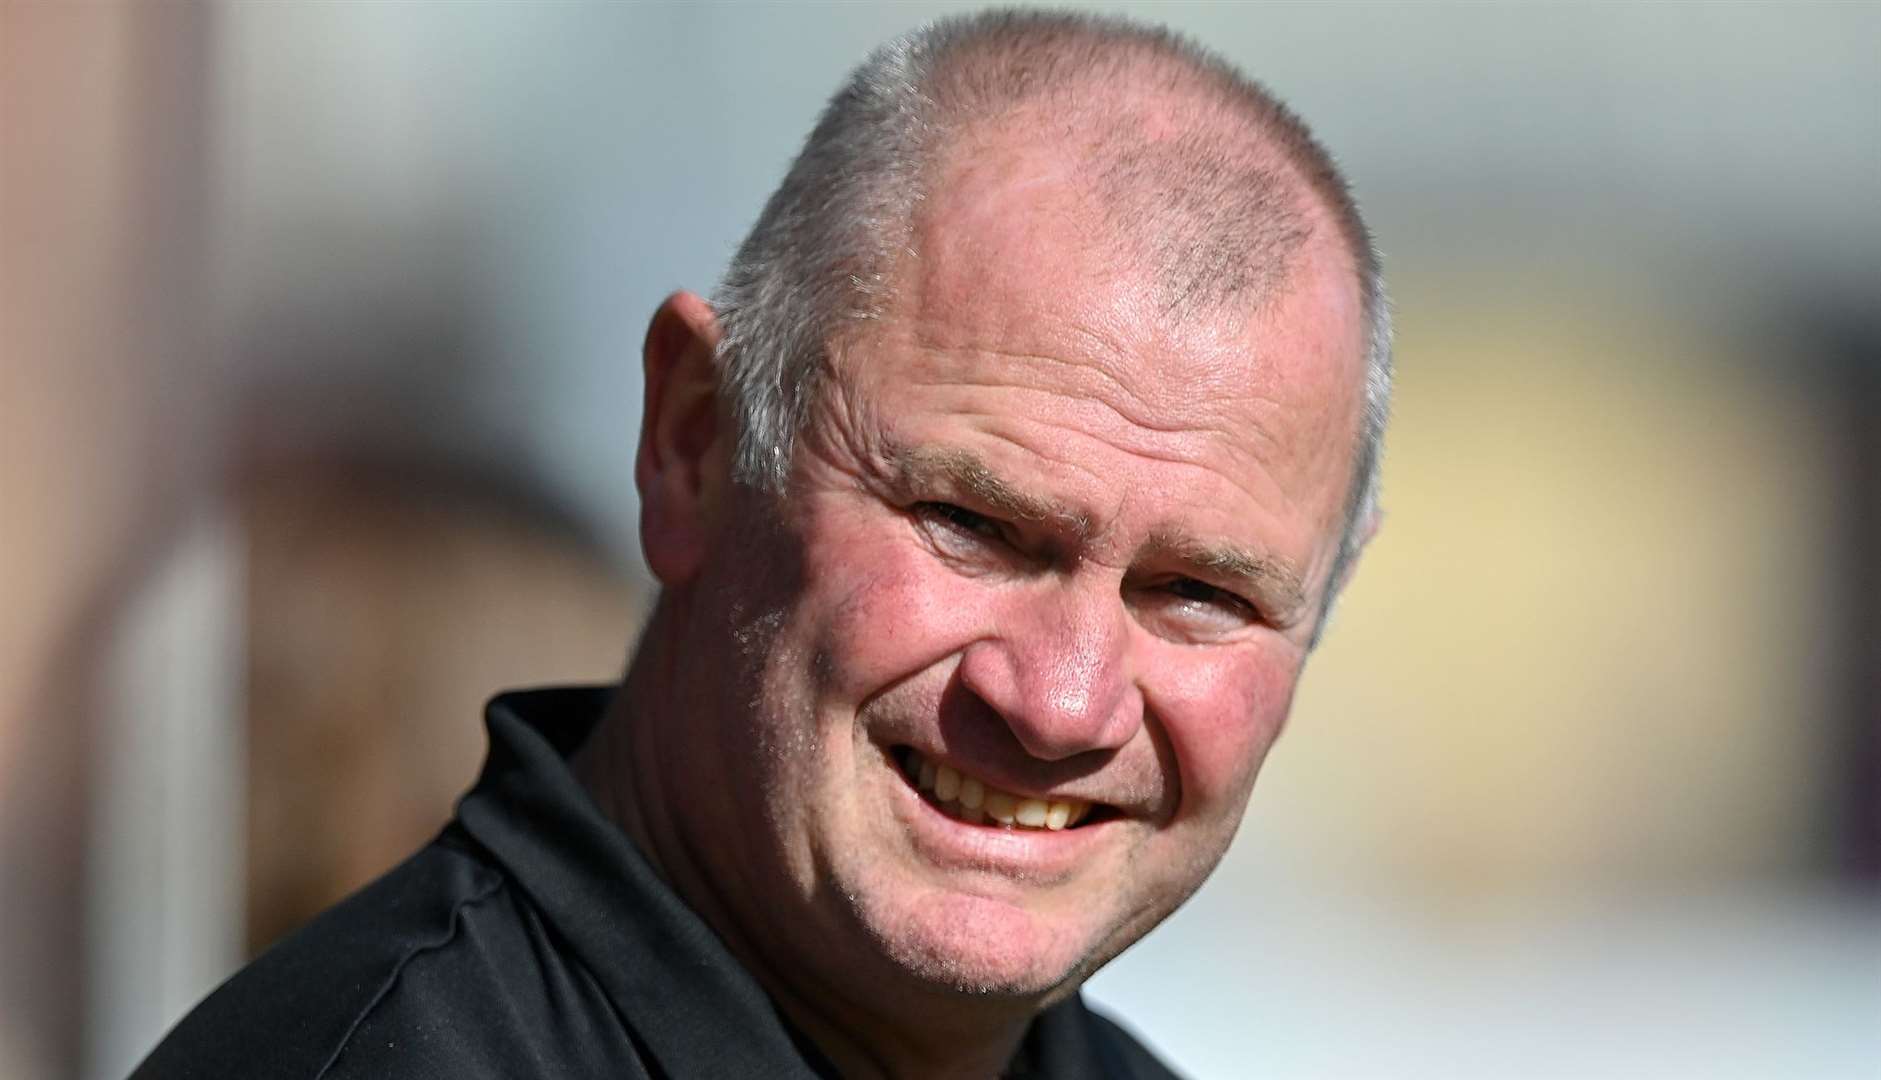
<point x="682" y="467"/>
<point x="1366" y="528"/>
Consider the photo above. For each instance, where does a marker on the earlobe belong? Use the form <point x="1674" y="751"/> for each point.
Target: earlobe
<point x="681" y="467"/>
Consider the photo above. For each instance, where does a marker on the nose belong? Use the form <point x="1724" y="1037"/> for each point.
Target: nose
<point x="1057" y="672"/>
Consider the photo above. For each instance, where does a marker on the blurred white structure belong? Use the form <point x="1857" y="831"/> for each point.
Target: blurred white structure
<point x="165" y="875"/>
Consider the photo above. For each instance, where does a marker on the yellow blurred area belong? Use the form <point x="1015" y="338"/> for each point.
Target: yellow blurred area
<point x="1583" y="650"/>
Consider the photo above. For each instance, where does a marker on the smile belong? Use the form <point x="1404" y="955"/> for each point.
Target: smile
<point x="972" y="800"/>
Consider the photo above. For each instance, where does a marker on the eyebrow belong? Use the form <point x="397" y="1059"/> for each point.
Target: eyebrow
<point x="1275" y="584"/>
<point x="963" y="470"/>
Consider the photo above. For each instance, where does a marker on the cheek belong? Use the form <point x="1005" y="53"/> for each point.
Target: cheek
<point x="890" y="612"/>
<point x="1221" y="715"/>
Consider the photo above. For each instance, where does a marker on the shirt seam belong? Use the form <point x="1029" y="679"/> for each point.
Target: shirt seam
<point x="398" y="969"/>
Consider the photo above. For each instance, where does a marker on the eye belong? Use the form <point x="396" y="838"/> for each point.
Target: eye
<point x="961" y="521"/>
<point x="1184" y="608"/>
<point x="1192" y="591"/>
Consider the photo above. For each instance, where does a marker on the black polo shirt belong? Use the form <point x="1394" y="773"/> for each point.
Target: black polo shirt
<point x="531" y="939"/>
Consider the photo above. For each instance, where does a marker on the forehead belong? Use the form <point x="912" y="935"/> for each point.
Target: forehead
<point x="1012" y="217"/>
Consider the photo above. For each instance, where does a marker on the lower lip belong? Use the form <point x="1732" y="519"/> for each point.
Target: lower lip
<point x="1041" y="856"/>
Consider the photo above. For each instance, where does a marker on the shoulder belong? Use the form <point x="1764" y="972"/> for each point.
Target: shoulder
<point x="416" y="975"/>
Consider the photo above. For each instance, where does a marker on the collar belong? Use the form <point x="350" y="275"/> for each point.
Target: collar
<point x="688" y="1002"/>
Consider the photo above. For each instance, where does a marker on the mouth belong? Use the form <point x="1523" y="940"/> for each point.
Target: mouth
<point x="969" y="799"/>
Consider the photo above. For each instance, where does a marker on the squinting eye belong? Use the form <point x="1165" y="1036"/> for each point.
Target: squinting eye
<point x="1185" y="609"/>
<point x="961" y="520"/>
<point x="1201" y="592"/>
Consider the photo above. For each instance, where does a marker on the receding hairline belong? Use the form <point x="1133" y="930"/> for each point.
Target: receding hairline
<point x="994" y="65"/>
<point x="1214" y="214"/>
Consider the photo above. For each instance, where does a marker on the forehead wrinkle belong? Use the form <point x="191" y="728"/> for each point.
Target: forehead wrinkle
<point x="1099" y="355"/>
<point x="1151" y="448"/>
<point x="1155" y="447"/>
<point x="1126" y="404"/>
<point x="964" y="470"/>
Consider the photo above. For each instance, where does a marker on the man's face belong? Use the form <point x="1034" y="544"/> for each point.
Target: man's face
<point x="1052" y="540"/>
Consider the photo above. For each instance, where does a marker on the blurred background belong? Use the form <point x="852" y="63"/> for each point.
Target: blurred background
<point x="320" y="392"/>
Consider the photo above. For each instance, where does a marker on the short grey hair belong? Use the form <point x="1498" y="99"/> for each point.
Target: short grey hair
<point x="818" y="263"/>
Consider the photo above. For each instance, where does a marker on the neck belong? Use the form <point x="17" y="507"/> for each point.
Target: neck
<point x="639" y="780"/>
<point x="937" y="1045"/>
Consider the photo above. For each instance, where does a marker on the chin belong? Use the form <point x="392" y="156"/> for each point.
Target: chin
<point x="966" y="944"/>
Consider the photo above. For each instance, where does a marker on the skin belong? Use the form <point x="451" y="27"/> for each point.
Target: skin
<point x="1036" y="531"/>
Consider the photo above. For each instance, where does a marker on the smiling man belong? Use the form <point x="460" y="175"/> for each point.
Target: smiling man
<point x="997" y="502"/>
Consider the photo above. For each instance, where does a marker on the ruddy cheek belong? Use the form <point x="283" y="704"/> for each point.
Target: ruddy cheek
<point x="1221" y="719"/>
<point x="894" y="617"/>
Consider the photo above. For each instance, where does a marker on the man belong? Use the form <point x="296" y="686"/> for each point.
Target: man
<point x="996" y="505"/>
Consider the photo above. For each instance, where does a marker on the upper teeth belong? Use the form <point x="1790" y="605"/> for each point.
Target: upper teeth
<point x="973" y="800"/>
